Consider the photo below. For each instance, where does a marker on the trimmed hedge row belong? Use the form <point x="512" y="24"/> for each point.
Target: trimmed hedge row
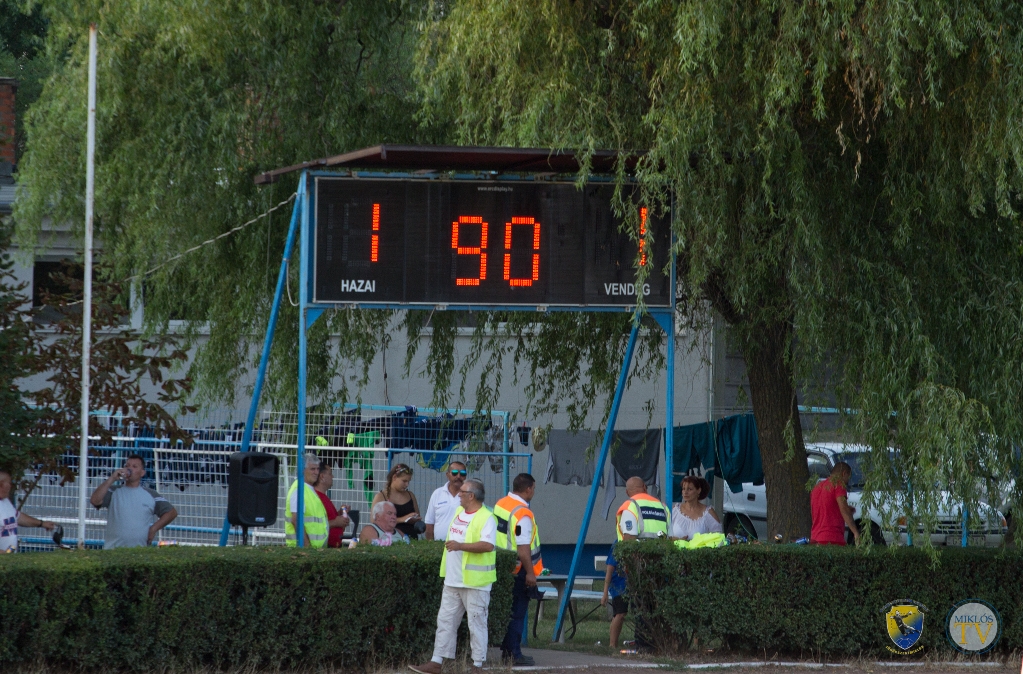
<point x="172" y="608"/>
<point x="810" y="599"/>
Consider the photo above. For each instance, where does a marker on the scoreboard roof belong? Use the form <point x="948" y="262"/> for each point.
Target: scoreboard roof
<point x="453" y="158"/>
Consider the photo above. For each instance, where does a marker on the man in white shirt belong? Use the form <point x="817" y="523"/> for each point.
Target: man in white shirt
<point x="11" y="519"/>
<point x="444" y="502"/>
<point x="469" y="571"/>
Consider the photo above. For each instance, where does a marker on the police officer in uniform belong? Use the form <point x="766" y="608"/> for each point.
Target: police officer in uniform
<point x="517" y="531"/>
<point x="641" y="516"/>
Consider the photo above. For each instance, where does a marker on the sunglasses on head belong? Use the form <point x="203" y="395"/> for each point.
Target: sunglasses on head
<point x="402" y="470"/>
<point x="462" y="472"/>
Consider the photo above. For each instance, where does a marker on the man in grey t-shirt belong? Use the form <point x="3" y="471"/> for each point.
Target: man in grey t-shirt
<point x="132" y="507"/>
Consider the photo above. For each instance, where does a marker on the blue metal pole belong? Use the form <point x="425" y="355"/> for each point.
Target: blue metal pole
<point x="966" y="531"/>
<point x="282" y="279"/>
<point x="669" y="416"/>
<point x="507" y="487"/>
<point x="303" y="293"/>
<point x="264" y="359"/>
<point x="605" y="447"/>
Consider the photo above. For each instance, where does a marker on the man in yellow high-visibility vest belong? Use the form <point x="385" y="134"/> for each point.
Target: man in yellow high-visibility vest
<point x="469" y="569"/>
<point x="314" y="515"/>
<point x="641" y="516"/>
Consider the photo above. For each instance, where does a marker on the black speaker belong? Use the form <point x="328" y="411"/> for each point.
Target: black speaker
<point x="252" y="489"/>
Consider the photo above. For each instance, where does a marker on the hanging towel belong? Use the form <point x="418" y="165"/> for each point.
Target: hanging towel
<point x="732" y="452"/>
<point x="637" y="453"/>
<point x="633" y="453"/>
<point x="739" y="451"/>
<point x="568" y="463"/>
<point x="693" y="447"/>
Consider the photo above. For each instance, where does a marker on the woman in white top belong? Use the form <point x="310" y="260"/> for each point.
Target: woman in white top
<point x="690" y="516"/>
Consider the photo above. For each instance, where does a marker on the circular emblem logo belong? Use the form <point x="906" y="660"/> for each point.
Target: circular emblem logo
<point x="973" y="626"/>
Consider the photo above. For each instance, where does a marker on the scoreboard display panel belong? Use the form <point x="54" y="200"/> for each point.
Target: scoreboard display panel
<point x="481" y="243"/>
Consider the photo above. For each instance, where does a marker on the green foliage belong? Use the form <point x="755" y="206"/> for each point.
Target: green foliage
<point x="19" y="444"/>
<point x="22" y="28"/>
<point x="22" y="33"/>
<point x="809" y="599"/>
<point x="846" y="178"/>
<point x="194" y="99"/>
<point x="267" y="608"/>
<point x="122" y="364"/>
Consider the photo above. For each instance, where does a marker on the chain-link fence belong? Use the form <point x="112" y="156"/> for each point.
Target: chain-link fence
<point x="359" y="443"/>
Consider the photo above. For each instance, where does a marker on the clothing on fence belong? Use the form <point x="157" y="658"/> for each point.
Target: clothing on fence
<point x="568" y="462"/>
<point x="434" y="437"/>
<point x="728" y="447"/>
<point x="739" y="451"/>
<point x="637" y="453"/>
<point x="362" y="460"/>
<point x="633" y="453"/>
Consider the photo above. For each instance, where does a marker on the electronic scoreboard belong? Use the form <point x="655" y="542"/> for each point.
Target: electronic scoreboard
<point x="481" y="243"/>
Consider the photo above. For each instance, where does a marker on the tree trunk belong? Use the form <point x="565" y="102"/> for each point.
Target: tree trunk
<point x="774" y="405"/>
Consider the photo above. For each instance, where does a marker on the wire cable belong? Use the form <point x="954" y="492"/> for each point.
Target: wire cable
<point x="214" y="239"/>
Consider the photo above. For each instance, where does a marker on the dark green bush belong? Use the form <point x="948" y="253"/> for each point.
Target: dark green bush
<point x="171" y="608"/>
<point x="824" y="600"/>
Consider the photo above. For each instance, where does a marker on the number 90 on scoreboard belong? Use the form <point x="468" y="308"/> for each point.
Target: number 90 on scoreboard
<point x="480" y="243"/>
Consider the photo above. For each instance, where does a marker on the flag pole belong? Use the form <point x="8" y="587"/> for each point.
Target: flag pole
<point x="90" y="187"/>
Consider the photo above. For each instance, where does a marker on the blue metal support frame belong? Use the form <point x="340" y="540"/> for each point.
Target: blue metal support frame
<point x="305" y="276"/>
<point x="264" y="358"/>
<point x="605" y="447"/>
<point x="665" y="318"/>
<point x="309" y="312"/>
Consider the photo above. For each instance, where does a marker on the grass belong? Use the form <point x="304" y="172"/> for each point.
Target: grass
<point x="595" y="628"/>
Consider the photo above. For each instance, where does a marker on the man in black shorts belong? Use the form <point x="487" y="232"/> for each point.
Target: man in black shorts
<point x="614" y="587"/>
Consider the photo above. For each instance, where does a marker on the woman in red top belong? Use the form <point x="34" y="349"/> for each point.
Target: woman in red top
<point x="830" y="508"/>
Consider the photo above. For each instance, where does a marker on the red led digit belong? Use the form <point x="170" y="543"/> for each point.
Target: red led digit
<point x="374" y="245"/>
<point x="521" y="282"/>
<point x="471" y="250"/>
<point x="642" y="236"/>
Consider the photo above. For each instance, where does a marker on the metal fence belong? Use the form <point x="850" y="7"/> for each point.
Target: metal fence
<point x="360" y="444"/>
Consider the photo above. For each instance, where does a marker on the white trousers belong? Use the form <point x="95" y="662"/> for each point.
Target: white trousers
<point x="454" y="603"/>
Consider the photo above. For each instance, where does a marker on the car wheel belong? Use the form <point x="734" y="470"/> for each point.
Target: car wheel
<point x="876" y="537"/>
<point x="740" y="525"/>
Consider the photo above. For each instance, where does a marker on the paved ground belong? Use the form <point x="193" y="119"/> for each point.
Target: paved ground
<point x="556" y="661"/>
<point x="547" y="660"/>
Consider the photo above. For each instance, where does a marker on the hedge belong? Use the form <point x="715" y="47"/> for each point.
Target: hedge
<point x="813" y="600"/>
<point x="181" y="608"/>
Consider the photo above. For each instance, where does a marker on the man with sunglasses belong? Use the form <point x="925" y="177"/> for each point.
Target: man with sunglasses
<point x="444" y="502"/>
<point x="469" y="569"/>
